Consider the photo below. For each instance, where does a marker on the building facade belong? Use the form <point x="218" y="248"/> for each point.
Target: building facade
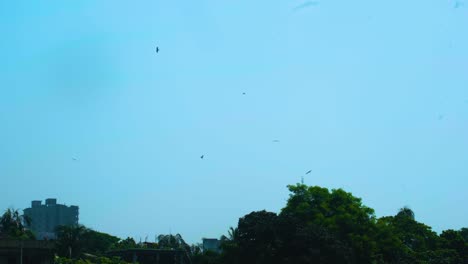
<point x="26" y="252"/>
<point x="46" y="217"/>
<point x="211" y="244"/>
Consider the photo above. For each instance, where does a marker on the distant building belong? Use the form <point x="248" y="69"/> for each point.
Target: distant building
<point x="46" y="217"/>
<point x="212" y="244"/>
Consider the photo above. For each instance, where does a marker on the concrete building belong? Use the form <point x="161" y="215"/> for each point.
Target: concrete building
<point x="46" y="217"/>
<point x="26" y="252"/>
<point x="211" y="244"/>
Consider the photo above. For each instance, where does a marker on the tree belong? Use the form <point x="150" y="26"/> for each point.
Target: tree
<point x="464" y="234"/>
<point x="257" y="237"/>
<point x="309" y="243"/>
<point x="12" y="224"/>
<point x="233" y="233"/>
<point x="70" y="240"/>
<point x="340" y="213"/>
<point x="172" y="242"/>
<point x="414" y="235"/>
<point x="264" y="237"/>
<point x="128" y="243"/>
<point x="230" y="247"/>
<point x="199" y="256"/>
<point x="97" y="243"/>
<point x="453" y="240"/>
<point x="401" y="239"/>
<point x="406" y="212"/>
<point x="390" y="247"/>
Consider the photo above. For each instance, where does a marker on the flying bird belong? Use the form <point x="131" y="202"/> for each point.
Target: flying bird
<point x="308" y="172"/>
<point x="202" y="156"/>
<point x="74" y="159"/>
<point x="305" y="5"/>
<point x="157" y="49"/>
<point x="243" y="93"/>
<point x="276" y="141"/>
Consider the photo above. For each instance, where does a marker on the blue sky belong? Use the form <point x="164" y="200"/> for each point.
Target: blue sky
<point x="372" y="96"/>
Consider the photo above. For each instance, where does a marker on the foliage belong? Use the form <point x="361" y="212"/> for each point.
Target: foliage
<point x="257" y="237"/>
<point x="309" y="243"/>
<point x="97" y="260"/>
<point x="13" y="225"/>
<point x="98" y="243"/>
<point x="316" y="226"/>
<point x="464" y="234"/>
<point x="454" y="240"/>
<point x="406" y="212"/>
<point x="208" y="257"/>
<point x="70" y="240"/>
<point x="322" y="226"/>
<point x="413" y="237"/>
<point x="73" y="241"/>
<point x="339" y="213"/>
<point x="233" y="233"/>
<point x="172" y="242"/>
<point x="127" y="243"/>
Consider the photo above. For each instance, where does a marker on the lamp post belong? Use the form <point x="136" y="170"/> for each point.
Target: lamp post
<point x="21" y="253"/>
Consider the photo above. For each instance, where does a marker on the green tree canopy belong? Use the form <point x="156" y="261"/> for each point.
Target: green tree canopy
<point x="127" y="243"/>
<point x="257" y="237"/>
<point x="13" y="225"/>
<point x="339" y="213"/>
<point x="406" y="212"/>
<point x="454" y="240"/>
<point x="98" y="243"/>
<point x="172" y="242"/>
<point x="70" y="240"/>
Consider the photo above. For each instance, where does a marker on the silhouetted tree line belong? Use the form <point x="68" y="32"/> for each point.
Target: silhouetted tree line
<point x="322" y="226"/>
<point x="315" y="226"/>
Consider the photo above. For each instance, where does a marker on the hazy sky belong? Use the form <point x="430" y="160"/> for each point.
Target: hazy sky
<point x="372" y="96"/>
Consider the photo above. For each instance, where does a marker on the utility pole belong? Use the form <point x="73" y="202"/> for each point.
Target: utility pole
<point x="21" y="253"/>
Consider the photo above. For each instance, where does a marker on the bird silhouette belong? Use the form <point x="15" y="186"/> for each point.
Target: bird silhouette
<point x="276" y="141"/>
<point x="243" y="93"/>
<point x="305" y="5"/>
<point x="202" y="156"/>
<point x="157" y="49"/>
<point x="309" y="171"/>
<point x="74" y="159"/>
